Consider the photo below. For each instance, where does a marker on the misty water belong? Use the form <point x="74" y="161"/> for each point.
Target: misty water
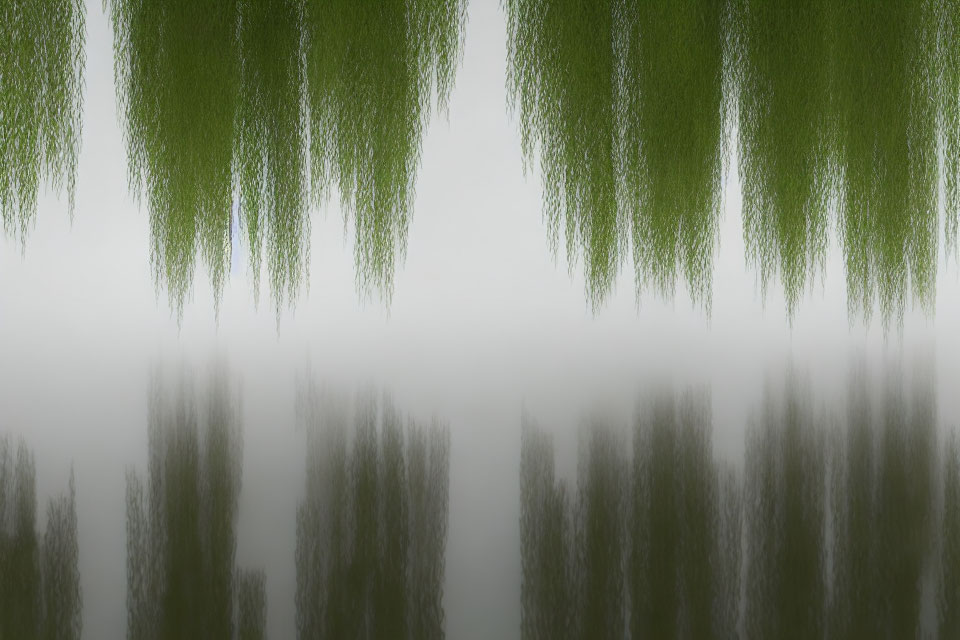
<point x="316" y="319"/>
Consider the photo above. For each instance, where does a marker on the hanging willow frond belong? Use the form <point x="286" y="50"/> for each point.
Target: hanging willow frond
<point x="41" y="103"/>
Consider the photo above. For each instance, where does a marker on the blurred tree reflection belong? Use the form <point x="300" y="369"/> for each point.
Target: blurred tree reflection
<point x="371" y="532"/>
<point x="40" y="594"/>
<point x="181" y="526"/>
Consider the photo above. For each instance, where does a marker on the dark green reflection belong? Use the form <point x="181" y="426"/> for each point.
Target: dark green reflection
<point x="948" y="596"/>
<point x="547" y="591"/>
<point x="181" y="537"/>
<point x="625" y="101"/>
<point x="654" y="546"/>
<point x="372" y="70"/>
<point x="39" y="577"/>
<point x="685" y="535"/>
<point x="230" y="98"/>
<point x="885" y="537"/>
<point x="833" y="523"/>
<point x="41" y="73"/>
<point x="371" y="532"/>
<point x="785" y="512"/>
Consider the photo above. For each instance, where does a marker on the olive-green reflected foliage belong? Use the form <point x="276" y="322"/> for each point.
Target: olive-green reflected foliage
<point x="251" y="605"/>
<point x="625" y="101"/>
<point x="371" y="532"/>
<point x="41" y="97"/>
<point x="832" y="523"/>
<point x="372" y="71"/>
<point x="653" y="546"/>
<point x="948" y="595"/>
<point x="884" y="514"/>
<point x="599" y="534"/>
<point x="181" y="537"/>
<point x="785" y="504"/>
<point x="39" y="577"/>
<point x="685" y="530"/>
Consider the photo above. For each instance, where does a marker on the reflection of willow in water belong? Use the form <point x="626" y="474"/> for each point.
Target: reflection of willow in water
<point x="41" y="72"/>
<point x="836" y="528"/>
<point x="625" y="101"/>
<point x="668" y="569"/>
<point x="225" y="97"/>
<point x="39" y="578"/>
<point x="883" y="514"/>
<point x="371" y="532"/>
<point x="181" y="539"/>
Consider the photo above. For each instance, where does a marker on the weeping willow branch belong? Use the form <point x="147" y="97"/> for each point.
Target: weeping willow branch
<point x="41" y="100"/>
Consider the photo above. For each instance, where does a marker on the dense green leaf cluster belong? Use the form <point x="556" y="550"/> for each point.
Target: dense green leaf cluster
<point x="626" y="103"/>
<point x="843" y="107"/>
<point x="41" y="98"/>
<point x="253" y="99"/>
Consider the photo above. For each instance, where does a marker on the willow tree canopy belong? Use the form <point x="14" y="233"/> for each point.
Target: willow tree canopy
<point x="41" y="98"/>
<point x="840" y="111"/>
<point x="247" y="98"/>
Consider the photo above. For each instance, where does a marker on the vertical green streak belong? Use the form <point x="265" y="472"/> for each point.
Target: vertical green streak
<point x="546" y="591"/>
<point x="948" y="595"/>
<point x="181" y="527"/>
<point x="271" y="145"/>
<point x="62" y="599"/>
<point x="672" y="147"/>
<point x="372" y="70"/>
<point x="785" y="503"/>
<point x="684" y="560"/>
<point x="371" y="531"/>
<point x="783" y="61"/>
<point x="251" y="605"/>
<point x="599" y="534"/>
<point x="39" y="575"/>
<point x="41" y="100"/>
<point x="887" y="121"/>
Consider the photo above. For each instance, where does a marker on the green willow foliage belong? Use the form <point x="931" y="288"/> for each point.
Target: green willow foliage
<point x="241" y="97"/>
<point x="40" y="594"/>
<point x="41" y="100"/>
<point x="848" y="105"/>
<point x="178" y="74"/>
<point x="625" y="101"/>
<point x="181" y="538"/>
<point x="372" y="69"/>
<point x="372" y="529"/>
<point x="837" y="107"/>
<point x="784" y="63"/>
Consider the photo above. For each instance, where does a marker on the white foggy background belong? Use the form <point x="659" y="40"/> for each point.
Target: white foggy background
<point x="483" y="320"/>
